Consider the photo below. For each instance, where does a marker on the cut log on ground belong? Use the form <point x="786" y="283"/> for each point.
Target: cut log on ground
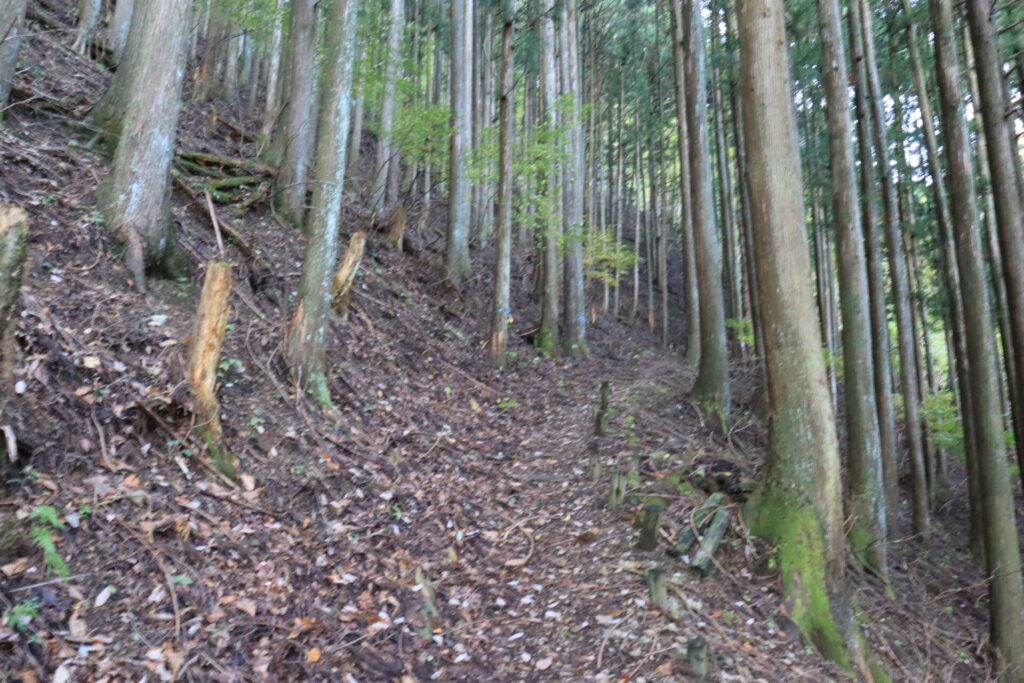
<point x="701" y="562"/>
<point x="688" y="533"/>
<point x="13" y="235"/>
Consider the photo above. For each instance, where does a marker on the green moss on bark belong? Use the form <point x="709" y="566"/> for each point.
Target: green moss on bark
<point x="795" y="530"/>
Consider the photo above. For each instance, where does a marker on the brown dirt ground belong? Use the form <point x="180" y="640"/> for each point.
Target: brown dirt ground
<point x="435" y="474"/>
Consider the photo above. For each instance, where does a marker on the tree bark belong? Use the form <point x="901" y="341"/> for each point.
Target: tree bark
<point x="134" y="197"/>
<point x="501" y="311"/>
<point x="1006" y="594"/>
<point x="299" y="128"/>
<point x="550" y="226"/>
<point x="1004" y="167"/>
<point x="690" y="287"/>
<point x="712" y="384"/>
<point x="88" y="17"/>
<point x="574" y="317"/>
<point x="865" y="499"/>
<point x="120" y="24"/>
<point x="798" y="505"/>
<point x="12" y="16"/>
<point x="383" y="191"/>
<point x="900" y="285"/>
<point x="305" y="345"/>
<point x="456" y="256"/>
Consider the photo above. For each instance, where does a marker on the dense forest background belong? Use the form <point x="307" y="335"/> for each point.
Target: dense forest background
<point x="511" y="339"/>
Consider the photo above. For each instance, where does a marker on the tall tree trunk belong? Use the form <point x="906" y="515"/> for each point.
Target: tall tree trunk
<point x="958" y="364"/>
<point x="690" y="288"/>
<point x="1004" y="167"/>
<point x="901" y="289"/>
<point x="574" y="314"/>
<point x="456" y="256"/>
<point x="547" y="335"/>
<point x="712" y="384"/>
<point x="299" y="128"/>
<point x="305" y="345"/>
<point x="120" y="24"/>
<point x="271" y="108"/>
<point x="12" y="16"/>
<point x="502" y="261"/>
<point x="134" y="197"/>
<point x="88" y="18"/>
<point x="1006" y="595"/>
<point x="865" y="498"/>
<point x="876" y="287"/>
<point x="798" y="505"/>
<point x="382" y="192"/>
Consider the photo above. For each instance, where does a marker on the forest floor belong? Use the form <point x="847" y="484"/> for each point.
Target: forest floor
<point x="439" y="523"/>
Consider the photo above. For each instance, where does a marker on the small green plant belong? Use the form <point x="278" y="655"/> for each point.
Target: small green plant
<point x="42" y="534"/>
<point x="396" y="512"/>
<point x="940" y="414"/>
<point x="742" y="329"/>
<point x="21" y="615"/>
<point x="507" y="403"/>
<point x="229" y="364"/>
<point x="631" y="431"/>
<point x="96" y="218"/>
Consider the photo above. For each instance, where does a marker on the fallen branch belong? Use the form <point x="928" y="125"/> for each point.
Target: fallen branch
<point x="236" y="237"/>
<point x="251" y="165"/>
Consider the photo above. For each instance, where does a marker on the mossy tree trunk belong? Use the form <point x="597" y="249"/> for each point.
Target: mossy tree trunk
<point x="712" y="384"/>
<point x="305" y="346"/>
<point x="1002" y="552"/>
<point x="107" y="116"/>
<point x="865" y="499"/>
<point x="798" y="503"/>
<point x="134" y="197"/>
<point x="12" y="16"/>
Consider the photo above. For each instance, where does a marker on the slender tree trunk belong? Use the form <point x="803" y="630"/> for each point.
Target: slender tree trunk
<point x="88" y="18"/>
<point x="120" y="24"/>
<point x="501" y="311"/>
<point x="876" y="288"/>
<point x="547" y="335"/>
<point x="273" y="93"/>
<point x="574" y="316"/>
<point x="299" y="126"/>
<point x="865" y="499"/>
<point x="712" y="384"/>
<point x="305" y="345"/>
<point x="134" y="197"/>
<point x="690" y="287"/>
<point x="1006" y="595"/>
<point x="385" y="150"/>
<point x="1004" y="168"/>
<point x="798" y="505"/>
<point x="901" y="290"/>
<point x="456" y="257"/>
<point x="12" y="16"/>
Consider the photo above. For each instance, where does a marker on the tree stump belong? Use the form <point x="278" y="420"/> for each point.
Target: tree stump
<point x="207" y="338"/>
<point x="595" y="461"/>
<point x="341" y="290"/>
<point x="658" y="589"/>
<point x="396" y="235"/>
<point x="602" y="409"/>
<point x="650" y="524"/>
<point x="617" y="492"/>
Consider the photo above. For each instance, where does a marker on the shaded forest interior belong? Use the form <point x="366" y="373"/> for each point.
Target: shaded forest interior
<point x="430" y="340"/>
